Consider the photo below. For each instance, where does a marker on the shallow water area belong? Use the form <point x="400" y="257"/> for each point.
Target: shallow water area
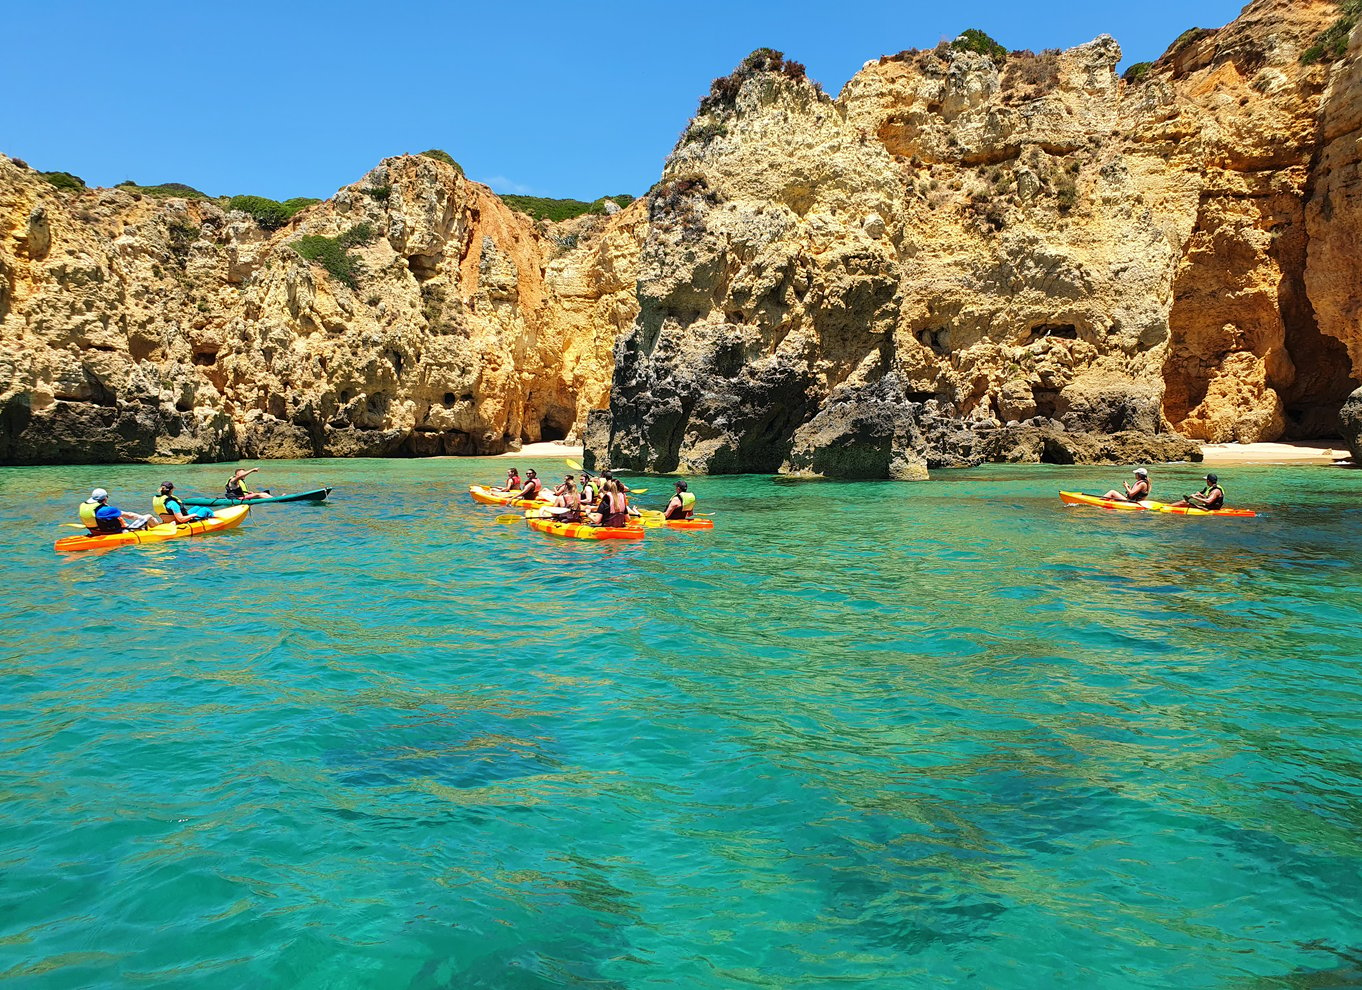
<point x="942" y="734"/>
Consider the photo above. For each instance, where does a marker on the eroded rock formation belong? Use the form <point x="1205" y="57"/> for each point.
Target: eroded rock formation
<point x="134" y="328"/>
<point x="956" y="260"/>
<point x="1037" y="258"/>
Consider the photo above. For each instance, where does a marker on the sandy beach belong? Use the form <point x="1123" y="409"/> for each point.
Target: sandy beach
<point x="1295" y="452"/>
<point x="543" y="450"/>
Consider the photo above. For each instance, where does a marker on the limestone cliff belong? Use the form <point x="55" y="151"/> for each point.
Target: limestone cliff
<point x="136" y="328"/>
<point x="959" y="260"/>
<point x="962" y="257"/>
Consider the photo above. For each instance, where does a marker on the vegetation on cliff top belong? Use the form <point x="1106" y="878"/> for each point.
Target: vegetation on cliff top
<point x="974" y="40"/>
<point x="443" y="156"/>
<point x="1135" y="73"/>
<point x="542" y="208"/>
<point x="166" y="190"/>
<point x="723" y="92"/>
<point x="1332" y="44"/>
<point x="63" y="180"/>
<point x="268" y="213"/>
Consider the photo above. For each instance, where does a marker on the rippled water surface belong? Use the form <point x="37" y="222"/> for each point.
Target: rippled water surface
<point x="944" y="734"/>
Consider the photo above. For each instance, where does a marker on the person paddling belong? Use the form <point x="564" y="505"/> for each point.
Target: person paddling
<point x="236" y="487"/>
<point x="533" y="486"/>
<point x="99" y="516"/>
<point x="168" y="506"/>
<point x="1210" y="498"/>
<point x="1137" y="492"/>
<point x="682" y="504"/>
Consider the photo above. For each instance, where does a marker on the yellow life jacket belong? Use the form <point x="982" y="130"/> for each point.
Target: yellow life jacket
<point x="87" y="516"/>
<point x="687" y="502"/>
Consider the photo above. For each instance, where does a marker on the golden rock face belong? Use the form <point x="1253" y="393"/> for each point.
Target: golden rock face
<point x="1040" y="239"/>
<point x="151" y="329"/>
<point x="946" y="250"/>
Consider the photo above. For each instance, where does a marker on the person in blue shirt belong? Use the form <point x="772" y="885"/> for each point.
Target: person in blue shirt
<point x="101" y="517"/>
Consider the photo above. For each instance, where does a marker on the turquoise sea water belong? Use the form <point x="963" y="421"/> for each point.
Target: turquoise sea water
<point x="943" y="734"/>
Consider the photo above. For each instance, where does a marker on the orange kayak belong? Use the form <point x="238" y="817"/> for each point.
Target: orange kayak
<point x="223" y="519"/>
<point x="688" y="523"/>
<point x="1148" y="505"/>
<point x="581" y="531"/>
<point x="485" y="495"/>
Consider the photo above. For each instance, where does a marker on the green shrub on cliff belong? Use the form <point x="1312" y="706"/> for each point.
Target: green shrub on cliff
<point x="166" y="190"/>
<point x="1188" y="37"/>
<point x="543" y="208"/>
<point x="1136" y="73"/>
<point x="268" y="213"/>
<point x="974" y="40"/>
<point x="63" y="180"/>
<point x="723" y="92"/>
<point x="1332" y="44"/>
<point x="332" y="254"/>
<point x="443" y="156"/>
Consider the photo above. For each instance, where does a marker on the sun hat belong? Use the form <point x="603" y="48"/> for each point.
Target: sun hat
<point x="1140" y="471"/>
<point x="99" y="495"/>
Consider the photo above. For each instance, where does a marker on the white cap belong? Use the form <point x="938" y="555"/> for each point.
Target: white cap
<point x="1139" y="471"/>
<point x="99" y="495"/>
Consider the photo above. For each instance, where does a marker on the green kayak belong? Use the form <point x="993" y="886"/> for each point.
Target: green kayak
<point x="316" y="495"/>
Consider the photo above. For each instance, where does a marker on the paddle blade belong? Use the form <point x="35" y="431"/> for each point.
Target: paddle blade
<point x="509" y="519"/>
<point x="638" y="491"/>
<point x="575" y="465"/>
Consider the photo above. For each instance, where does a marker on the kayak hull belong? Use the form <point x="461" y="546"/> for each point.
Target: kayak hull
<point x="316" y="495"/>
<point x="1079" y="498"/>
<point x="688" y="523"/>
<point x="581" y="531"/>
<point x="1188" y="511"/>
<point x="1148" y="505"/>
<point x="486" y="496"/>
<point x="222" y="520"/>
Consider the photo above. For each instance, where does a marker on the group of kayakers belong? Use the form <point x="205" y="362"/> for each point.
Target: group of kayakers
<point x="1210" y="498"/>
<point x="600" y="500"/>
<point x="98" y="516"/>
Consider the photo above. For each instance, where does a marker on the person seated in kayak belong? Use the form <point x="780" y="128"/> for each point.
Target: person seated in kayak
<point x="589" y="494"/>
<point x="1137" y="492"/>
<point x="533" y="486"/>
<point x="613" y="510"/>
<point x="682" y="505"/>
<point x="512" y="482"/>
<point x="562" y="486"/>
<point x="168" y="506"/>
<point x="101" y="517"/>
<point x="236" y="487"/>
<point x="1210" y="498"/>
<point x="566" y="506"/>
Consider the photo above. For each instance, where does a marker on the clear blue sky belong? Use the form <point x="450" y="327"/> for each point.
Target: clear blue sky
<point x="559" y="99"/>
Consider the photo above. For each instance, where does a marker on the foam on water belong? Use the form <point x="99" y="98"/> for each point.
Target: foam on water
<point x="950" y="733"/>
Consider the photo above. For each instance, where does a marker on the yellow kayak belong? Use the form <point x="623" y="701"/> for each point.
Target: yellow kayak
<point x="223" y="519"/>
